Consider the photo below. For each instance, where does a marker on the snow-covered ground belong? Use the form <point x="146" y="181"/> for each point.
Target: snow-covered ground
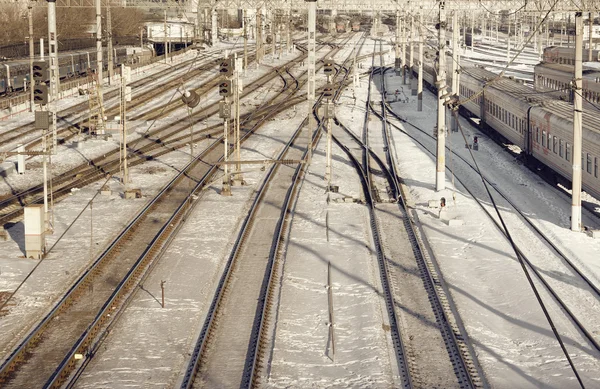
<point x="150" y="345"/>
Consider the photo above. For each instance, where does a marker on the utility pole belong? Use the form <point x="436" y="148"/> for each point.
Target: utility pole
<point x="289" y="29"/>
<point x="237" y="177"/>
<point x="577" y="126"/>
<point x="245" y="21"/>
<point x="440" y="178"/>
<point x="124" y="80"/>
<point x="99" y="45"/>
<point x="312" y="27"/>
<point x="214" y="27"/>
<point x="403" y="51"/>
<point x="54" y="78"/>
<point x="455" y="59"/>
<point x="420" y="76"/>
<point x="111" y="70"/>
<point x="166" y="45"/>
<point x="31" y="55"/>
<point x="398" y="60"/>
<point x="411" y="61"/>
<point x="473" y="31"/>
<point x="508" y="42"/>
<point x="259" y="38"/>
<point x="590" y="27"/>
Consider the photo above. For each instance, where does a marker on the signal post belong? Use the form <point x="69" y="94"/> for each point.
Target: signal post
<point x="43" y="121"/>
<point x="226" y="91"/>
<point x="329" y="71"/>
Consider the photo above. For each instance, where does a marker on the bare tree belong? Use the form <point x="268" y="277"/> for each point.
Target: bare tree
<point x="126" y="22"/>
<point x="13" y="23"/>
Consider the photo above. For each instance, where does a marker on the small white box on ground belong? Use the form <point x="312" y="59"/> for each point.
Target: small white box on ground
<point x="433" y="204"/>
<point x="595" y="234"/>
<point x="35" y="230"/>
<point x="133" y="194"/>
<point x="21" y="160"/>
<point x="455" y="222"/>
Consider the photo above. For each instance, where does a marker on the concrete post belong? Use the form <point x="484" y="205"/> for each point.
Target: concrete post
<point x="259" y="37"/>
<point x="420" y="76"/>
<point x="312" y="24"/>
<point x="577" y="126"/>
<point x="214" y="28"/>
<point x="54" y="78"/>
<point x="455" y="59"/>
<point x="111" y="65"/>
<point x="31" y="55"/>
<point x="99" y="43"/>
<point x="440" y="178"/>
<point x="411" y="61"/>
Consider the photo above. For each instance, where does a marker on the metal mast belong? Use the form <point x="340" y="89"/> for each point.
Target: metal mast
<point x="440" y="177"/>
<point x="577" y="126"/>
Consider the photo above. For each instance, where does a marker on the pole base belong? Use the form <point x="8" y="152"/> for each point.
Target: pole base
<point x="238" y="179"/>
<point x="226" y="189"/>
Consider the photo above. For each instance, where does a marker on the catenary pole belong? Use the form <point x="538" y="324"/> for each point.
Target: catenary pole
<point x="440" y="178"/>
<point x="577" y="126"/>
<point x="312" y="22"/>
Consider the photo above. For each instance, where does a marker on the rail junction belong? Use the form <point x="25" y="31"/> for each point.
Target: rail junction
<point x="314" y="197"/>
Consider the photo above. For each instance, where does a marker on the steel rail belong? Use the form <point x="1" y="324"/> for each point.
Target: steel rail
<point x="542" y="279"/>
<point x="462" y="360"/>
<point x="252" y="374"/>
<point x="209" y="110"/>
<point x="395" y="331"/>
<point x="203" y="338"/>
<point x="16" y="355"/>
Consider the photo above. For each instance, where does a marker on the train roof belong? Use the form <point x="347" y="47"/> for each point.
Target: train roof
<point x="507" y="85"/>
<point x="564" y="110"/>
<point x="589" y="71"/>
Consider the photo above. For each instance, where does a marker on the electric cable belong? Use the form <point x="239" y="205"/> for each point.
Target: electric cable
<point x="520" y="259"/>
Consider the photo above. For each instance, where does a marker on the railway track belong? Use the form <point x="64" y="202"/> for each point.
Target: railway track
<point x="75" y="123"/>
<point x="115" y="272"/>
<point x="539" y="251"/>
<point x="432" y="356"/>
<point x="143" y="148"/>
<point x="229" y="350"/>
<point x="362" y="166"/>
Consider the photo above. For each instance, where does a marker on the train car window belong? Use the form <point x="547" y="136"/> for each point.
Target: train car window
<point x="543" y="138"/>
<point x="550" y="142"/>
<point x="589" y="164"/>
<point x="596" y="167"/>
<point x="560" y="147"/>
<point x="537" y="135"/>
<point x="568" y="152"/>
<point x="554" y="144"/>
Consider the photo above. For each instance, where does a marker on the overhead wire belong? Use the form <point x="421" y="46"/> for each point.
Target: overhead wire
<point x="513" y="245"/>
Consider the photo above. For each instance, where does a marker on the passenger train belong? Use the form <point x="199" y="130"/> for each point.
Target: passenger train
<point x="14" y="75"/>
<point x="566" y="55"/>
<point x="540" y="125"/>
<point x="557" y="80"/>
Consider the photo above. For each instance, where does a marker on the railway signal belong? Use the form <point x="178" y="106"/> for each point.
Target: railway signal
<point x="225" y="88"/>
<point x="226" y="67"/>
<point x="328" y="91"/>
<point x="40" y="71"/>
<point x="329" y="68"/>
<point x="40" y="94"/>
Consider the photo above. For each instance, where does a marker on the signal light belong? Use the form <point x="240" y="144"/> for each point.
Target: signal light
<point x="329" y="68"/>
<point x="475" y="139"/>
<point x="225" y="88"/>
<point x="40" y="71"/>
<point x="40" y="94"/>
<point x="328" y="90"/>
<point x="226" y="67"/>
